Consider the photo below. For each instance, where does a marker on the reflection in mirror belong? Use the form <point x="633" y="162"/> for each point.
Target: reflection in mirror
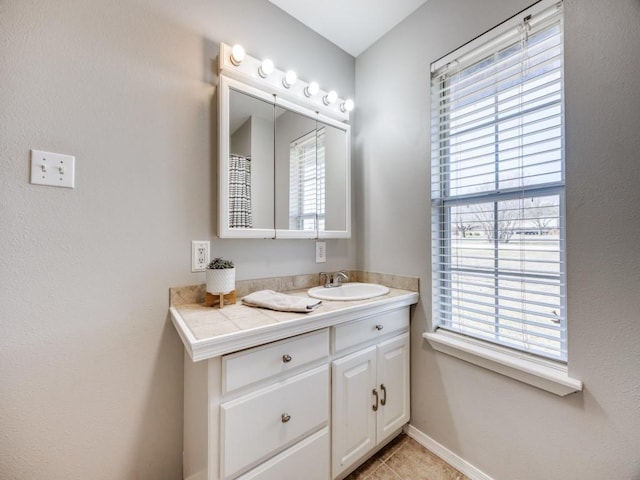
<point x="295" y="154"/>
<point x="333" y="178"/>
<point x="251" y="167"/>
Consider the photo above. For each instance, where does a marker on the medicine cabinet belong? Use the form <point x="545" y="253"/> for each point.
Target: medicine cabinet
<point x="284" y="169"/>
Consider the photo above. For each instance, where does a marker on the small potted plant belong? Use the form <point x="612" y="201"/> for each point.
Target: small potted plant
<point x="221" y="276"/>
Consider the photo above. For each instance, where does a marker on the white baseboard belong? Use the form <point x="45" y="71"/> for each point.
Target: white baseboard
<point x="447" y="455"/>
<point x="201" y="475"/>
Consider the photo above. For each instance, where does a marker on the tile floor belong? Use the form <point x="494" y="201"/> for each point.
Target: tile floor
<point x="405" y="459"/>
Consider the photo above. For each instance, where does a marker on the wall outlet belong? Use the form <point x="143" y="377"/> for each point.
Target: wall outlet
<point x="321" y="252"/>
<point x="199" y="255"/>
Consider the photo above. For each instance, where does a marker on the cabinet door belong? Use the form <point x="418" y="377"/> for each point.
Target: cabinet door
<point x="353" y="420"/>
<point x="393" y="385"/>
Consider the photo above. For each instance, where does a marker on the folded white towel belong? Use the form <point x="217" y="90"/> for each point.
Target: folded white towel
<point x="280" y="301"/>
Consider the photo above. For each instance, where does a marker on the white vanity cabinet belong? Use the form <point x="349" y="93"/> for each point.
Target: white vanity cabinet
<point x="370" y="386"/>
<point x="297" y="405"/>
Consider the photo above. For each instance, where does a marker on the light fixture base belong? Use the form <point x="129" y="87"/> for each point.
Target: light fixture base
<point x="248" y="72"/>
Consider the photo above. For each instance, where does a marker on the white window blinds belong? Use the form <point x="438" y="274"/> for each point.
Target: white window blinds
<point x="498" y="188"/>
<point x="306" y="181"/>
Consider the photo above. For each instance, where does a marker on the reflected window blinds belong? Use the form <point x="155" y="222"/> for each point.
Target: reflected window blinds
<point x="306" y="181"/>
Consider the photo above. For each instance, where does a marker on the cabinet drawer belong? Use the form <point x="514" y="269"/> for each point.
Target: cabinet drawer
<point x="249" y="366"/>
<point x="369" y="329"/>
<point x="258" y="425"/>
<point x="310" y="456"/>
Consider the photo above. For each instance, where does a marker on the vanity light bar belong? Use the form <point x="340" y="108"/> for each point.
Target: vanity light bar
<point x="236" y="63"/>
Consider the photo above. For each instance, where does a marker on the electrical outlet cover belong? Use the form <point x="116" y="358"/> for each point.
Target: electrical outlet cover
<point x="199" y="255"/>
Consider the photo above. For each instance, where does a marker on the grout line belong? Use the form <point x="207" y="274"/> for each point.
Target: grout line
<point x="387" y="458"/>
<point x="374" y="471"/>
<point x="403" y="444"/>
<point x="396" y="474"/>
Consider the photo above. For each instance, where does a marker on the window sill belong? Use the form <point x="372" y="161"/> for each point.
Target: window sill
<point x="540" y="373"/>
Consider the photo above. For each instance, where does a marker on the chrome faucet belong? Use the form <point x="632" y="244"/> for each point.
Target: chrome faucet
<point x="338" y="277"/>
<point x="333" y="279"/>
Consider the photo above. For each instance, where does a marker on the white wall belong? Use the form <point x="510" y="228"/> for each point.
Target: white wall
<point x="508" y="429"/>
<point x="335" y="184"/>
<point x="254" y="139"/>
<point x="90" y="366"/>
<point x="240" y="140"/>
<point x="262" y="172"/>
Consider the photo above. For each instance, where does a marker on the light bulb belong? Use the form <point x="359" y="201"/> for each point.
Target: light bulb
<point x="347" y="105"/>
<point x="237" y="55"/>
<point x="330" y="97"/>
<point x="289" y="79"/>
<point x="266" y="68"/>
<point x="311" y="89"/>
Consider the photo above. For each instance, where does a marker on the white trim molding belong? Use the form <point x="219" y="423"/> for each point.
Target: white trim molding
<point x="445" y="454"/>
<point x="544" y="374"/>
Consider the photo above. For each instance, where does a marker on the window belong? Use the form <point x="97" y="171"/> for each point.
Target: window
<point x="306" y="181"/>
<point x="498" y="229"/>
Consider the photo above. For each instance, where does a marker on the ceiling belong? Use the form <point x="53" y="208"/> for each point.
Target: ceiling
<point x="353" y="25"/>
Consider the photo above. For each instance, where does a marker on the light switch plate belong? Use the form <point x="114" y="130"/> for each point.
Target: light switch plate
<point x="321" y="252"/>
<point x="54" y="169"/>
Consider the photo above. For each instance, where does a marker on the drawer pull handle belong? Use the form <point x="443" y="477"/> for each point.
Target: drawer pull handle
<point x="383" y="402"/>
<point x="375" y="406"/>
<point x="285" y="417"/>
<point x="286" y="358"/>
<point x="379" y="327"/>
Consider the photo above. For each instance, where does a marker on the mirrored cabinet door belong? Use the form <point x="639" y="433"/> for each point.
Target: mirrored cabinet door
<point x="333" y="150"/>
<point x="296" y="174"/>
<point x="247" y="164"/>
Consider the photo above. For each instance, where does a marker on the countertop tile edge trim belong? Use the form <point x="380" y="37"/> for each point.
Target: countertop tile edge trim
<point x="188" y="340"/>
<point x="538" y="373"/>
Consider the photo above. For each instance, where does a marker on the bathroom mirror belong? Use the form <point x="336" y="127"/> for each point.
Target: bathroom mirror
<point x="284" y="169"/>
<point x="247" y="169"/>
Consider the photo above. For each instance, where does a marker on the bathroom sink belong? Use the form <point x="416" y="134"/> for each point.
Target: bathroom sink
<point x="348" y="291"/>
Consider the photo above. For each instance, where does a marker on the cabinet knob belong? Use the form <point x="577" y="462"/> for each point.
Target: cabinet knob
<point x="379" y="327"/>
<point x="375" y="405"/>
<point x="285" y="417"/>
<point x="286" y="358"/>
<point x="383" y="402"/>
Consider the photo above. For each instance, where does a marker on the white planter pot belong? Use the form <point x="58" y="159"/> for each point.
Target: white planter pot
<point x="221" y="281"/>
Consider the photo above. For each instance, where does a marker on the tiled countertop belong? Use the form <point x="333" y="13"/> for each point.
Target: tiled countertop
<point x="211" y="331"/>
